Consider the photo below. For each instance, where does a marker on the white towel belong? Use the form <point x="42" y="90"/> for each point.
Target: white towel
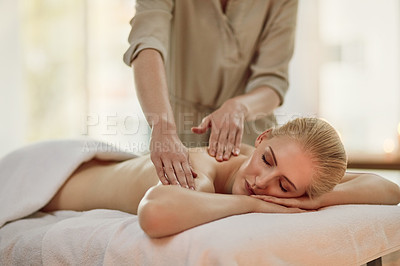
<point x="338" y="235"/>
<point x="31" y="176"/>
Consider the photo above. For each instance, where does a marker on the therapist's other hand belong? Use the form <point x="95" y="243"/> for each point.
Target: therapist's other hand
<point x="171" y="159"/>
<point x="303" y="202"/>
<point x="226" y="125"/>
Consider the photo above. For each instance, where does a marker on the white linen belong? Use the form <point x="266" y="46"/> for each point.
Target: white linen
<point x="337" y="235"/>
<point x="31" y="176"/>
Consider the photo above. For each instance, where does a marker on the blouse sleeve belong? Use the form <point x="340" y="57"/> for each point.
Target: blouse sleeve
<point x="270" y="66"/>
<point x="150" y="28"/>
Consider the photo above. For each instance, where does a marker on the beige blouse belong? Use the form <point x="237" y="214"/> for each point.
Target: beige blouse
<point x="211" y="56"/>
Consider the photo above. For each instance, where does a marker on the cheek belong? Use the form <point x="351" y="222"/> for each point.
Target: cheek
<point x="254" y="165"/>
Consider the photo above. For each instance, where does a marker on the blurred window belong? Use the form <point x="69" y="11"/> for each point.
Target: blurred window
<point x="359" y="75"/>
<point x="77" y="83"/>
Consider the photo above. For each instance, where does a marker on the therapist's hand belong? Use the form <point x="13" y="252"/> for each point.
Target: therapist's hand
<point x="226" y="125"/>
<point x="171" y="159"/>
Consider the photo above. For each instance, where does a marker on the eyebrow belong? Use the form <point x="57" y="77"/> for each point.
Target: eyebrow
<point x="276" y="163"/>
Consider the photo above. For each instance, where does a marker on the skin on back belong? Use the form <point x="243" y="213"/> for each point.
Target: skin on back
<point x="121" y="185"/>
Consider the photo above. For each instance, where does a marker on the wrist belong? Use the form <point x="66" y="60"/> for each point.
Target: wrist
<point x="163" y="124"/>
<point x="325" y="200"/>
<point x="250" y="204"/>
<point x="239" y="107"/>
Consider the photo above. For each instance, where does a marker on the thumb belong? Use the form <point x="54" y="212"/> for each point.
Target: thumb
<point x="202" y="128"/>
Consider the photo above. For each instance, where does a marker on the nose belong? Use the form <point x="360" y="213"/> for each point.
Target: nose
<point x="262" y="182"/>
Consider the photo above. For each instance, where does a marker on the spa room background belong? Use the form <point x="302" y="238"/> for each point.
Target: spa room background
<point x="62" y="75"/>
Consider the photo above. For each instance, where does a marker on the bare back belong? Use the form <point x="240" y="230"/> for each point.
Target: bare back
<point x="121" y="185"/>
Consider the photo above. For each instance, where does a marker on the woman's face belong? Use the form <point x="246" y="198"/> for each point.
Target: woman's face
<point x="278" y="167"/>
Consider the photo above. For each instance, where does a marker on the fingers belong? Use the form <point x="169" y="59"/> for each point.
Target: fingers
<point x="213" y="142"/>
<point x="204" y="125"/>
<point x="238" y="141"/>
<point x="160" y="171"/>
<point x="180" y="174"/>
<point x="175" y="173"/>
<point x="230" y="145"/>
<point x="171" y="160"/>
<point x="170" y="172"/>
<point x="302" y="202"/>
<point x="225" y="140"/>
<point x="189" y="177"/>
<point x="287" y="202"/>
<point x="221" y="144"/>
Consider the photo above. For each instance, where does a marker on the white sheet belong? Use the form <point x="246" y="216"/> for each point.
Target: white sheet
<point x="338" y="235"/>
<point x="30" y="176"/>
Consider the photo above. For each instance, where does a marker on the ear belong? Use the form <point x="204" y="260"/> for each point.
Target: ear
<point x="265" y="135"/>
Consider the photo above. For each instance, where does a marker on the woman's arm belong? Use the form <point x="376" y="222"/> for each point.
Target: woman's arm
<point x="362" y="188"/>
<point x="167" y="210"/>
<point x="355" y="188"/>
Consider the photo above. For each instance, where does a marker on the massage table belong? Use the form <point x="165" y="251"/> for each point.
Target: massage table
<point x="30" y="176"/>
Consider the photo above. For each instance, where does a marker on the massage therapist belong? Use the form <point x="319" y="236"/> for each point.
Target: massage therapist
<point x="200" y="64"/>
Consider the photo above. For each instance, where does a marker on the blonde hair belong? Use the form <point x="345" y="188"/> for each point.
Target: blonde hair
<point x="321" y="141"/>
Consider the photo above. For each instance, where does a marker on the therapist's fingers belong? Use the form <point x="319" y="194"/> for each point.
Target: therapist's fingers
<point x="230" y="144"/>
<point x="160" y="171"/>
<point x="204" y="125"/>
<point x="238" y="141"/>
<point x="189" y="175"/>
<point x="213" y="142"/>
<point x="170" y="172"/>
<point x="221" y="145"/>
<point x="180" y="174"/>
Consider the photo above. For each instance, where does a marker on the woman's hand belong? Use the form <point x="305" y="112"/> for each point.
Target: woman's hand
<point x="303" y="202"/>
<point x="171" y="159"/>
<point x="226" y="125"/>
<point x="261" y="206"/>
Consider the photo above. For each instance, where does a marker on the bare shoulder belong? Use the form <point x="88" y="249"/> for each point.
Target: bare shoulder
<point x="205" y="167"/>
<point x="246" y="149"/>
<point x="204" y="183"/>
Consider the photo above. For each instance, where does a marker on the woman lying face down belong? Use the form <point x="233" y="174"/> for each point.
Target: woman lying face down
<point x="303" y="157"/>
<point x="297" y="167"/>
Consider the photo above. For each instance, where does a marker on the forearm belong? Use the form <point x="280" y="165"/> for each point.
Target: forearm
<point x="262" y="100"/>
<point x="151" y="88"/>
<point x="363" y="189"/>
<point x="167" y="210"/>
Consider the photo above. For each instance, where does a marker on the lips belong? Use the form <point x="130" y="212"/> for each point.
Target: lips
<point x="248" y="188"/>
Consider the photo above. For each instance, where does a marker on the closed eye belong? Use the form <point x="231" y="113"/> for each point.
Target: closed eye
<point x="265" y="160"/>
<point x="282" y="188"/>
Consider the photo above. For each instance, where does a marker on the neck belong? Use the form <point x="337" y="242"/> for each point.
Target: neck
<point x="226" y="172"/>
